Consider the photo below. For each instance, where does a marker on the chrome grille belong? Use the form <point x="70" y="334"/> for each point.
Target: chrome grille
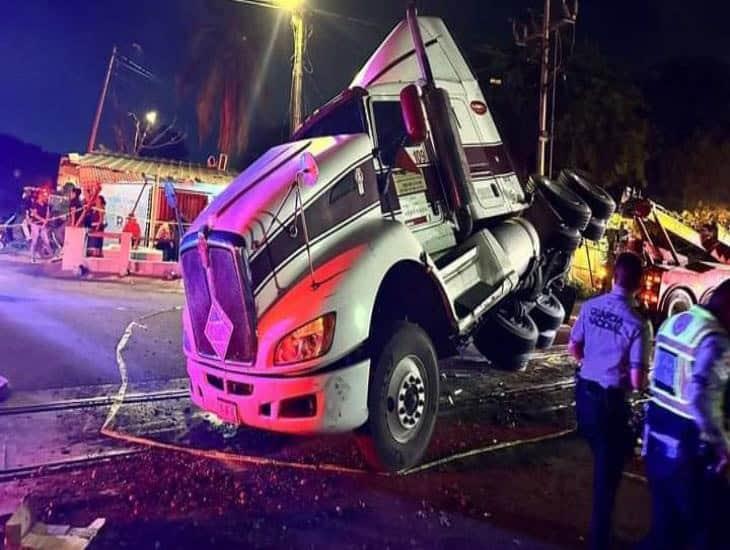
<point x="227" y="279"/>
<point x="232" y="292"/>
<point x="197" y="296"/>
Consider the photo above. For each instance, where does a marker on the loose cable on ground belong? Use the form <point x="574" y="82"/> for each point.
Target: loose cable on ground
<point x="488" y="449"/>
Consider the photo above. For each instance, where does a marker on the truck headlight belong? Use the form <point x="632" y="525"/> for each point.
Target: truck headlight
<point x="309" y="341"/>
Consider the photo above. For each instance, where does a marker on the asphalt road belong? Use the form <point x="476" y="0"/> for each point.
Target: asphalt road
<point x="60" y="332"/>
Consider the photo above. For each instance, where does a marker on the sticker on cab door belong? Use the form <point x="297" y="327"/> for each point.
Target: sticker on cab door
<point x="407" y="182"/>
<point x="415" y="209"/>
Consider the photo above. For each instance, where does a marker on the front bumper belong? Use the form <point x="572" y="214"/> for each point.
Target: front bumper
<point x="331" y="402"/>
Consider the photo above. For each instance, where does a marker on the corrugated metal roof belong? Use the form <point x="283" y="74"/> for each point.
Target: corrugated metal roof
<point x="165" y="169"/>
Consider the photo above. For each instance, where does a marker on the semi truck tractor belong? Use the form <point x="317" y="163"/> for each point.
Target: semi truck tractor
<point x="326" y="282"/>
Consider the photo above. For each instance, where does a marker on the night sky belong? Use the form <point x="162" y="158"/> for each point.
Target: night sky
<point x="53" y="54"/>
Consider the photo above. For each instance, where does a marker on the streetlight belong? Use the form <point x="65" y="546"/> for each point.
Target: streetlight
<point x="150" y="118"/>
<point x="296" y="8"/>
<point x="289" y="5"/>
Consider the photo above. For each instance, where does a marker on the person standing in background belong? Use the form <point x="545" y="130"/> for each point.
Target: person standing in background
<point x="26" y="201"/>
<point x="96" y="224"/>
<point x="75" y="206"/>
<point x="39" y="215"/>
<point x="612" y="344"/>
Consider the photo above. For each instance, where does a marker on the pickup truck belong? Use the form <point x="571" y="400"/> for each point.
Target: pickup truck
<point x="326" y="282"/>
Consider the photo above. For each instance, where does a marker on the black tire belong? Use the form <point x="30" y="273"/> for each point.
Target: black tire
<point x="542" y="216"/>
<point x="395" y="438"/>
<point x="568" y="296"/>
<point x="600" y="202"/>
<point x="505" y="341"/>
<point x="565" y="239"/>
<point x="677" y="301"/>
<point x="546" y="339"/>
<point x="595" y="229"/>
<point x="573" y="210"/>
<point x="548" y="313"/>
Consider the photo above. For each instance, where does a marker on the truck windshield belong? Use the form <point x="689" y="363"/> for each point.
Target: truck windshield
<point x="344" y="115"/>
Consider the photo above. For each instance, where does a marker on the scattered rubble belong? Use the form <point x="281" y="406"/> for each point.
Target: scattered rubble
<point x="24" y="532"/>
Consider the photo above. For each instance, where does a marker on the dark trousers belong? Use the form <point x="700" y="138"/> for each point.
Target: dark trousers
<point x="690" y="502"/>
<point x="168" y="250"/>
<point x="603" y="420"/>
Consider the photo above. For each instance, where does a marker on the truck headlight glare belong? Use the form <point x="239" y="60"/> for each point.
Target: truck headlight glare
<point x="309" y="341"/>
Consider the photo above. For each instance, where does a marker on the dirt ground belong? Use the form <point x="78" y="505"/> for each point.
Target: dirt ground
<point x="527" y="496"/>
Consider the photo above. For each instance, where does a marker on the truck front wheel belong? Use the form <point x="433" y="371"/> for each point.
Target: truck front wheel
<point x="402" y="399"/>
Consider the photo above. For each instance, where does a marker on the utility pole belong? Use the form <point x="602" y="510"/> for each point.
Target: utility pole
<point x="527" y="33"/>
<point x="542" y="135"/>
<point x="102" y="100"/>
<point x="297" y="73"/>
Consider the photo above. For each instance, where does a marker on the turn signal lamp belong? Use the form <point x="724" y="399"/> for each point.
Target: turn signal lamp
<point x="309" y="341"/>
<point x="649" y="296"/>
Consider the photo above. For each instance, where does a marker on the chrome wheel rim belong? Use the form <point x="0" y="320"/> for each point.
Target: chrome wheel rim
<point x="406" y="399"/>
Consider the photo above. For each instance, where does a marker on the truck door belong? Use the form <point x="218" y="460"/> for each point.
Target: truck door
<point x="414" y="191"/>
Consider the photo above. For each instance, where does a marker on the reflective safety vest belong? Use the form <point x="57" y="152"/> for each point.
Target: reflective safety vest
<point x="674" y="358"/>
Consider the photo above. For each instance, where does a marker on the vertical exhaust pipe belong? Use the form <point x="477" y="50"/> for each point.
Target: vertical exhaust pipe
<point x="423" y="61"/>
<point x="449" y="152"/>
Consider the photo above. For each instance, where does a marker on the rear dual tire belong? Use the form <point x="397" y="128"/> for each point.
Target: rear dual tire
<point x="571" y="208"/>
<point x="600" y="202"/>
<point x="548" y="315"/>
<point x="507" y="341"/>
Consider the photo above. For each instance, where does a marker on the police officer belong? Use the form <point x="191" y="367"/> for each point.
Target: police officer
<point x="611" y="342"/>
<point x="687" y="439"/>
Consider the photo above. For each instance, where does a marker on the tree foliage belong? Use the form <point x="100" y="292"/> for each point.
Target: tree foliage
<point x="602" y="125"/>
<point x="689" y="103"/>
<point x="219" y="71"/>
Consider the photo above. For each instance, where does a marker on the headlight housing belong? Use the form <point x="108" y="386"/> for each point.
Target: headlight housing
<point x="309" y="341"/>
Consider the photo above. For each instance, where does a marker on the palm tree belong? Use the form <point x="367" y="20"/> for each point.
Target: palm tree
<point x="219" y="71"/>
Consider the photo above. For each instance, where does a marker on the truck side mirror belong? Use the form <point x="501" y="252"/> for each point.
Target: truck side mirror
<point x="308" y="173"/>
<point x="412" y="111"/>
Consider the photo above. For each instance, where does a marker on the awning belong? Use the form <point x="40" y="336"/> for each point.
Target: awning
<point x="152" y="168"/>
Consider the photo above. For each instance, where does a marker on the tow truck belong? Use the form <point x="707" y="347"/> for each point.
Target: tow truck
<point x="683" y="265"/>
<point x="325" y="283"/>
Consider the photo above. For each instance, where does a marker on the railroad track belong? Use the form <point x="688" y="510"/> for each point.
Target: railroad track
<point x="22" y="472"/>
<point x="91" y="402"/>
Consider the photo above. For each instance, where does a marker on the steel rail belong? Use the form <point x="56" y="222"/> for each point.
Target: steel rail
<point x="91" y="402"/>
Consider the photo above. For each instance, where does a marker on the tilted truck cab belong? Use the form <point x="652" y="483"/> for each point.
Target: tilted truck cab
<point x="323" y="285"/>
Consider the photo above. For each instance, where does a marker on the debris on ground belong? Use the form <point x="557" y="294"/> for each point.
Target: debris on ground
<point x="22" y="531"/>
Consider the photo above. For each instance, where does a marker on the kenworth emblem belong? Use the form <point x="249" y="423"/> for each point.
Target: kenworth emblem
<point x="360" y="180"/>
<point x="218" y="329"/>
